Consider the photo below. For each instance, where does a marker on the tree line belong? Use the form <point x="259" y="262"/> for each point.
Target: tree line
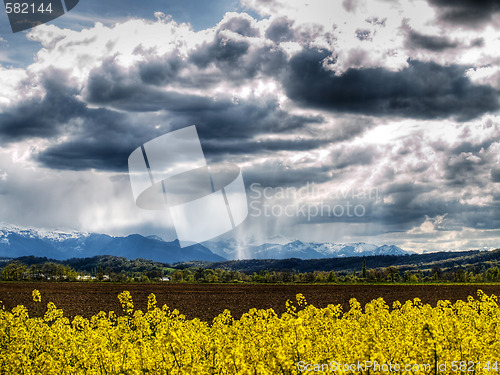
<point x="114" y="269"/>
<point x="51" y="271"/>
<point x="382" y="275"/>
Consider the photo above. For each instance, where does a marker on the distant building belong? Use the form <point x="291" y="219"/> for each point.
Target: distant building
<point x="86" y="277"/>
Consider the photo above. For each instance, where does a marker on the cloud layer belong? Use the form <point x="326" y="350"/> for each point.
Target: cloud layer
<point x="397" y="96"/>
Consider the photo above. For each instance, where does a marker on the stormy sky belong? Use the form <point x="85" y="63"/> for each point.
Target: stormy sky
<point x="351" y="120"/>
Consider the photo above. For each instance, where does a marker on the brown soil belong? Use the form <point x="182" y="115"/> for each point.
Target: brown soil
<point x="205" y="301"/>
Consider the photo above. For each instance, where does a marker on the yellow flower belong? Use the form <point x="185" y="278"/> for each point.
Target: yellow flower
<point x="37" y="297"/>
<point x="151" y="302"/>
<point x="161" y="341"/>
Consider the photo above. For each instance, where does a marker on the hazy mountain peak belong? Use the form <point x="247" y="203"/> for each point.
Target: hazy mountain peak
<point x="155" y="237"/>
<point x="305" y="250"/>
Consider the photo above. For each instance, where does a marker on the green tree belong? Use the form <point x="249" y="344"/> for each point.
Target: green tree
<point x="332" y="277"/>
<point x="100" y="272"/>
<point x="14" y="271"/>
<point x="392" y="274"/>
<point x="436" y="273"/>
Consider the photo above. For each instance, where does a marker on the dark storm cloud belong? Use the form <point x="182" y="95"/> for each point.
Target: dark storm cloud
<point x="495" y="174"/>
<point x="247" y="119"/>
<point x="111" y="87"/>
<point x="80" y="155"/>
<point x="41" y="117"/>
<point x="405" y="210"/>
<point x="423" y="90"/>
<point x="225" y="48"/>
<point x="280" y="30"/>
<point x="103" y="138"/>
<point x="236" y="60"/>
<point x="429" y="42"/>
<point x="471" y="147"/>
<point x="477" y="217"/>
<point x="464" y="170"/>
<point x="235" y="52"/>
<point x="135" y="97"/>
<point x="141" y="91"/>
<point x="231" y="131"/>
<point x="458" y="214"/>
<point x="240" y="25"/>
<point x="407" y="205"/>
<point x="106" y="138"/>
<point x="405" y="191"/>
<point x="400" y="207"/>
<point x="161" y="71"/>
<point x="466" y="12"/>
<point x="103" y="141"/>
<point x="249" y="147"/>
<point x="274" y="174"/>
<point x="478" y="42"/>
<point x="95" y="138"/>
<point x="221" y="50"/>
<point x="469" y="163"/>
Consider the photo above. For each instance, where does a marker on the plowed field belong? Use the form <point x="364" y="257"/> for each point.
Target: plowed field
<point x="205" y="301"/>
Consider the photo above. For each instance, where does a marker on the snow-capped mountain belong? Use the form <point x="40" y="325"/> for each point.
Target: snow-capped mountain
<point x="16" y="242"/>
<point x="302" y="250"/>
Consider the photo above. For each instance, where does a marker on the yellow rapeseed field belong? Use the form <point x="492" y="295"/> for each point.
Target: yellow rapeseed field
<point x="413" y="338"/>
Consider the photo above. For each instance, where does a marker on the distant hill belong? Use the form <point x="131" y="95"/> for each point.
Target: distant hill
<point x="476" y="261"/>
<point x="16" y="242"/>
<point x="109" y="263"/>
<point x="473" y="258"/>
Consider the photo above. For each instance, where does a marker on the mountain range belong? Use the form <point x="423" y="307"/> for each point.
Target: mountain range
<point x="16" y="242"/>
<point x="302" y="250"/>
